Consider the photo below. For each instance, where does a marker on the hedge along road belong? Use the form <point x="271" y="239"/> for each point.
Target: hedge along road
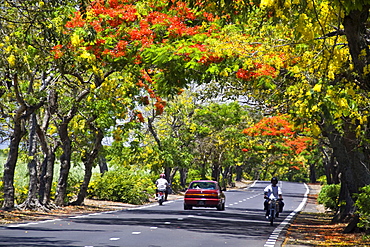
<point x="242" y="224"/>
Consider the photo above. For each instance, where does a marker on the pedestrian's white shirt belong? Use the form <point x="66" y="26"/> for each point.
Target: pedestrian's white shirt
<point x="161" y="183"/>
<point x="273" y="190"/>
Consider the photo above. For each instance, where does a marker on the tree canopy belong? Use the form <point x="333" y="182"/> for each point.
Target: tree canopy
<point x="73" y="75"/>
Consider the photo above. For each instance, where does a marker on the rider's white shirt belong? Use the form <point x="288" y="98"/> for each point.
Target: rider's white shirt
<point x="161" y="183"/>
<point x="274" y="190"/>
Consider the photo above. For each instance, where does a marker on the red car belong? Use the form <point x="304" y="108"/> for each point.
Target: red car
<point x="204" y="193"/>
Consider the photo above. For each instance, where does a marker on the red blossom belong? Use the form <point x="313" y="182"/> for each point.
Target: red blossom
<point x="280" y="127"/>
<point x="145" y="100"/>
<point x="76" y="21"/>
<point x="56" y="50"/>
<point x="140" y="83"/>
<point x="159" y="107"/>
<point x="140" y="117"/>
<point x="257" y="71"/>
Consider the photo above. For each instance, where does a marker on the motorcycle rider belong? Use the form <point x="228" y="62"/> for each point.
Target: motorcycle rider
<point x="274" y="189"/>
<point x="162" y="184"/>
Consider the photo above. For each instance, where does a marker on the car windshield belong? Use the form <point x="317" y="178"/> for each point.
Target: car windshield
<point x="203" y="185"/>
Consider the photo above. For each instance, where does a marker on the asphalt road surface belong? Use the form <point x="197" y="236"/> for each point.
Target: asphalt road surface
<point x="241" y="224"/>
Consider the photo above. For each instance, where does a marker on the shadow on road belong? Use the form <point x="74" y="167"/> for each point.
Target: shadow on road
<point x="234" y="223"/>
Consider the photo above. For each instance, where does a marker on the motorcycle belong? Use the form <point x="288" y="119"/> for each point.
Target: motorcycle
<point x="273" y="209"/>
<point x="161" y="195"/>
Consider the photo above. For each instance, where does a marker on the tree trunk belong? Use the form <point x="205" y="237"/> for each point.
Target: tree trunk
<point x="47" y="166"/>
<point x="103" y="164"/>
<point x="32" y="202"/>
<point x="65" y="164"/>
<point x="215" y="172"/>
<point x="49" y="147"/>
<point x="313" y="178"/>
<point x="326" y="161"/>
<point x="356" y="33"/>
<point x="203" y="170"/>
<point x="239" y="173"/>
<point x="230" y="174"/>
<point x="88" y="163"/>
<point x="46" y="179"/>
<point x="353" y="166"/>
<point x="65" y="158"/>
<point x="226" y="177"/>
<point x="183" y="177"/>
<point x="9" y="167"/>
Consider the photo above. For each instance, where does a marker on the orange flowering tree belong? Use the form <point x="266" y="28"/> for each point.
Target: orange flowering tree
<point x="280" y="147"/>
<point x="155" y="43"/>
<point x="121" y="55"/>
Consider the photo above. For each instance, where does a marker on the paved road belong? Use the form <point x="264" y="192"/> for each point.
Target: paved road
<point x="241" y="224"/>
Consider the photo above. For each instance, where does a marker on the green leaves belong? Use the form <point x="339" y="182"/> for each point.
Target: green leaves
<point x="363" y="205"/>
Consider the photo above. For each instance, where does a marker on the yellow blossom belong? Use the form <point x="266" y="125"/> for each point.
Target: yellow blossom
<point x="315" y="130"/>
<point x="317" y="88"/>
<point x="75" y="39"/>
<point x="343" y="102"/>
<point x="266" y="3"/>
<point x="11" y="60"/>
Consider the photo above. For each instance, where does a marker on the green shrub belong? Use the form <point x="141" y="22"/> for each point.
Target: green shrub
<point x="363" y="207"/>
<point x="21" y="183"/>
<point x="122" y="185"/>
<point x="329" y="195"/>
<point x="75" y="179"/>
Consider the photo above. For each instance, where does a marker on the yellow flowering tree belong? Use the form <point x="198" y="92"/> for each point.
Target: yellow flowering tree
<point x="327" y="90"/>
<point x="319" y="54"/>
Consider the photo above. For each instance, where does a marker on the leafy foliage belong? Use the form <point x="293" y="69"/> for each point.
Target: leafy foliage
<point x="329" y="195"/>
<point x="122" y="185"/>
<point x="363" y="207"/>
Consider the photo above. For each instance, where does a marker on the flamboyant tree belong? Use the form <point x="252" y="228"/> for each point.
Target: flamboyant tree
<point x="149" y="43"/>
<point x="283" y="147"/>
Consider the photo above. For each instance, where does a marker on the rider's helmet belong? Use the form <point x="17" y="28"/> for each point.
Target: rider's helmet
<point x="162" y="175"/>
<point x="274" y="179"/>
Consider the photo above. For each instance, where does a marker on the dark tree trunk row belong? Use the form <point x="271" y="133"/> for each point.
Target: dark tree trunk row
<point x="353" y="165"/>
<point x="20" y="119"/>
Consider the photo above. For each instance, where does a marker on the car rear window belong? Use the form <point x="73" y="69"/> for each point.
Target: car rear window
<point x="203" y="185"/>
